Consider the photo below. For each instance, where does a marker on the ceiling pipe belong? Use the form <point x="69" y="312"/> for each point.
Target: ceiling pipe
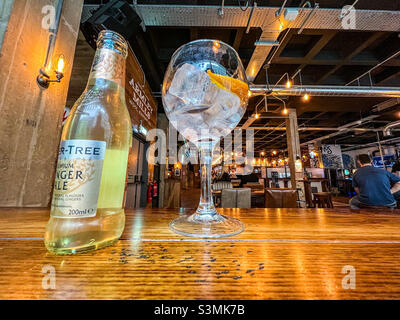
<point x="355" y="147"/>
<point x="167" y="15"/>
<point x="316" y="6"/>
<point x="323" y="129"/>
<point x="346" y="126"/>
<point x="279" y="11"/>
<point x="326" y="91"/>
<point x="387" y="130"/>
<point x="251" y="16"/>
<point x="386" y="105"/>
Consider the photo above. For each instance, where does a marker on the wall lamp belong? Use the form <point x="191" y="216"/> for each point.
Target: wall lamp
<point x="44" y="78"/>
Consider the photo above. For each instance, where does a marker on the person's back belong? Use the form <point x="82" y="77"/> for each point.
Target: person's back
<point x="373" y="185"/>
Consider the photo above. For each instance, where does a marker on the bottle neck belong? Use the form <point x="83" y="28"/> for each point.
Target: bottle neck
<point x="108" y="65"/>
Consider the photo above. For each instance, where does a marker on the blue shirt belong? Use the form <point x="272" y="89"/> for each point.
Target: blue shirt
<point x="374" y="185"/>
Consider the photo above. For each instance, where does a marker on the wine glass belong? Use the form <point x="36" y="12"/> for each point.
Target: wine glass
<point x="205" y="94"/>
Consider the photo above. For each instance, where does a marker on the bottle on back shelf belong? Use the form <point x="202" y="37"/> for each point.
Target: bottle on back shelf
<point x="87" y="209"/>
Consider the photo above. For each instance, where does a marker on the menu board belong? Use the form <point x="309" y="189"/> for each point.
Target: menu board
<point x="141" y="104"/>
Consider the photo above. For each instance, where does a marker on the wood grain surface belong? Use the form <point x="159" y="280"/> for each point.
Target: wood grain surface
<point x="282" y="254"/>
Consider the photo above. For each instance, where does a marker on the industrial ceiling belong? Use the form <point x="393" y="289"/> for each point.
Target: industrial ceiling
<point x="309" y="40"/>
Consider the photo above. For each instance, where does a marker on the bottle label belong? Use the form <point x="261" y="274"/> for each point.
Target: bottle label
<point x="78" y="177"/>
<point x="108" y="65"/>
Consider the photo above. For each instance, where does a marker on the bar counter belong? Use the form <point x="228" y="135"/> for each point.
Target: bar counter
<point x="282" y="254"/>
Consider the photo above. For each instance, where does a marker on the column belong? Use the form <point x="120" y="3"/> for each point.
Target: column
<point x="31" y="118"/>
<point x="293" y="143"/>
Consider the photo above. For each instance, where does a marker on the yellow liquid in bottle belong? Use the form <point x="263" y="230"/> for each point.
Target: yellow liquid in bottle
<point x="112" y="186"/>
<point x="75" y="235"/>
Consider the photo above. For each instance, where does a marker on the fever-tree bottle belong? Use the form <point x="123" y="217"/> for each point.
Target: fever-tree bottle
<point x="87" y="210"/>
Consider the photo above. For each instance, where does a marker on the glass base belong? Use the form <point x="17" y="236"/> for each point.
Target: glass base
<point x="206" y="226"/>
<point x="83" y="249"/>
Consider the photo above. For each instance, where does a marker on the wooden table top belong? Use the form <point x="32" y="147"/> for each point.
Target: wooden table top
<point x="282" y="254"/>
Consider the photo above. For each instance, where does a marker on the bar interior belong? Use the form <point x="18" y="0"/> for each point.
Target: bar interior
<point x="199" y="149"/>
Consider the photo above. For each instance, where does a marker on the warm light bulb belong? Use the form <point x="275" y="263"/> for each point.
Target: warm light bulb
<point x="288" y="84"/>
<point x="61" y="64"/>
<point x="257" y="115"/>
<point x="216" y="46"/>
<point x="274" y="153"/>
<point x="263" y="153"/>
<point x="249" y="93"/>
<point x="285" y="111"/>
<point x="306" y="97"/>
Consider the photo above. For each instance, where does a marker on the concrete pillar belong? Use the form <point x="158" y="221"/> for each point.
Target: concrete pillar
<point x="31" y="118"/>
<point x="162" y="123"/>
<point x="293" y="143"/>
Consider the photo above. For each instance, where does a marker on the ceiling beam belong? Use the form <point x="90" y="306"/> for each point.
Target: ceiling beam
<point x="321" y="43"/>
<point x="165" y="15"/>
<point x="238" y="38"/>
<point x="350" y="56"/>
<point x="261" y="52"/>
<point x="386" y="75"/>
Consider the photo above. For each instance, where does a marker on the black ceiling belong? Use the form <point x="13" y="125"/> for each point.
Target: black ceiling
<point x="326" y="57"/>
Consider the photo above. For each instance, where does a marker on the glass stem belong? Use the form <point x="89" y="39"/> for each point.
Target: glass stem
<point x="206" y="205"/>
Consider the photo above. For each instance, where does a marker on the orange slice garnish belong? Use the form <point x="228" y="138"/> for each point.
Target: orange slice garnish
<point x="238" y="87"/>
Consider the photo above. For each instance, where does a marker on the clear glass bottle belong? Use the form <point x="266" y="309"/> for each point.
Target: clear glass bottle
<point x="87" y="210"/>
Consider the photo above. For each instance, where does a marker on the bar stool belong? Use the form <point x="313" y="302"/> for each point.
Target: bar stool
<point x="323" y="199"/>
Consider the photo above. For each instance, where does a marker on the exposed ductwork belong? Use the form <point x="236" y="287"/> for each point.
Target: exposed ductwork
<point x="386" y="104"/>
<point x="321" y="129"/>
<point x="382" y="142"/>
<point x="261" y="17"/>
<point x="342" y="129"/>
<point x="387" y="130"/>
<point x="166" y="15"/>
<point x="326" y="91"/>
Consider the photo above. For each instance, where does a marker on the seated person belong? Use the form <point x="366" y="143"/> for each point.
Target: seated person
<point x="224" y="177"/>
<point x="244" y="179"/>
<point x="373" y="185"/>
